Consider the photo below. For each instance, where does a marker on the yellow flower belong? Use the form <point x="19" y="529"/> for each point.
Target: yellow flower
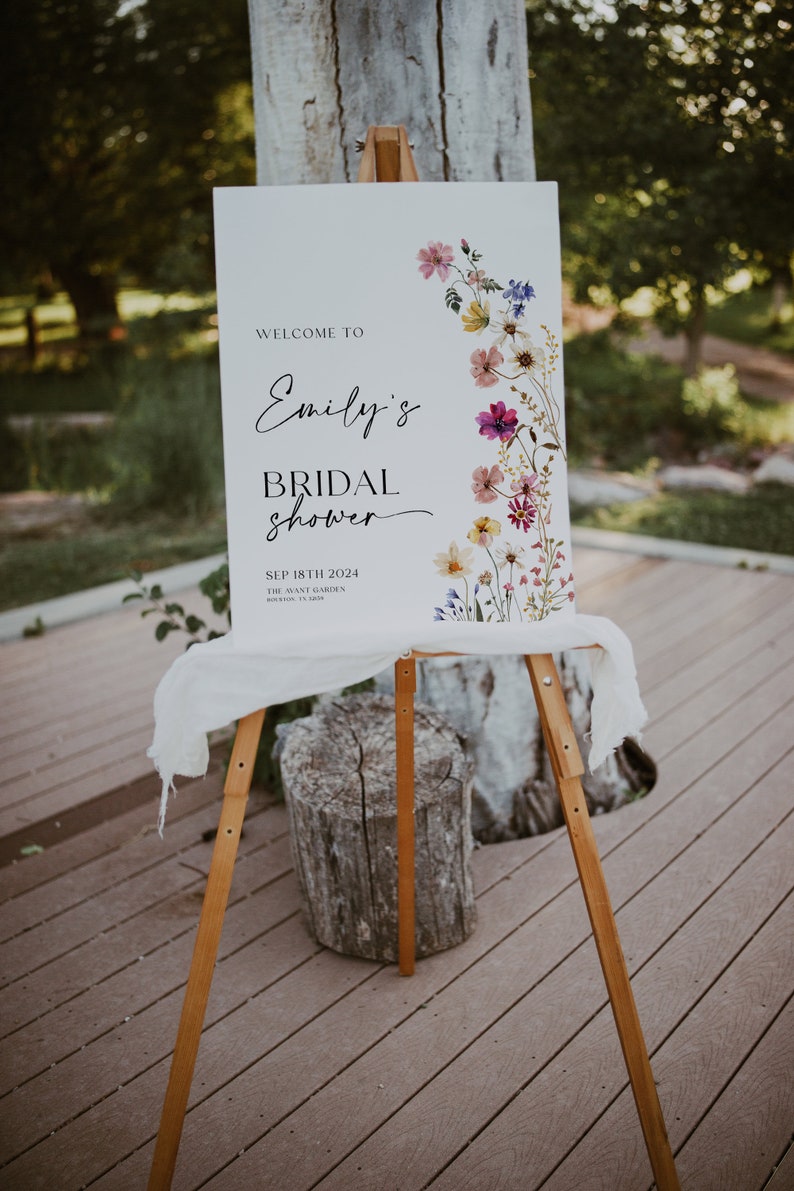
<point x="484" y="530"/>
<point x="477" y="317"/>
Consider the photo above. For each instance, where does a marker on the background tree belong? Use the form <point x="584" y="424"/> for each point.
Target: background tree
<point x="668" y="125"/>
<point x="455" y="74"/>
<point x="111" y="118"/>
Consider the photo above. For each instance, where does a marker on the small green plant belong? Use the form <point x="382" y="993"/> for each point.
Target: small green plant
<point x="175" y="619"/>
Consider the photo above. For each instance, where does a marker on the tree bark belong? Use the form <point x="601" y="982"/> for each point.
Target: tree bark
<point x="338" y="772"/>
<point x="93" y="296"/>
<point x="489" y="701"/>
<point x="454" y="73"/>
<point x="694" y="332"/>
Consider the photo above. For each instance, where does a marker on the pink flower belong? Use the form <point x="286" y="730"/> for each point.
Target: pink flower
<point x="476" y="277"/>
<point x="485" y="481"/>
<point x="436" y="258"/>
<point x="525" y="484"/>
<point x="508" y="587"/>
<point x="524" y="580"/>
<point x="483" y="364"/>
<point x="521" y="513"/>
<point x="498" y="423"/>
<point x="571" y="596"/>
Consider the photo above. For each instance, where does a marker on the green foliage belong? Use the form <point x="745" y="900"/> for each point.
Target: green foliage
<point x="761" y="519"/>
<point x="118" y="120"/>
<point x="174" y="619"/>
<point x="52" y="455"/>
<point x="167" y="448"/>
<point x="628" y="411"/>
<point x="749" y="317"/>
<point x="621" y="409"/>
<point x="669" y="128"/>
<point x="713" y="398"/>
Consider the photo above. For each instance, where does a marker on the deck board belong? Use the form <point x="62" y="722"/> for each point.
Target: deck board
<point x="497" y="1064"/>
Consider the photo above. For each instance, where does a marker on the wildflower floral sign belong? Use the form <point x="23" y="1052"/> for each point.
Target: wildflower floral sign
<point x="393" y="414"/>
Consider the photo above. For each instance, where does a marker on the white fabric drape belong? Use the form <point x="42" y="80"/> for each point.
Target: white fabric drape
<point x="213" y="684"/>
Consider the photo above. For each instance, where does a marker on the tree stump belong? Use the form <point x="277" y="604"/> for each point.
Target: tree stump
<point x="489" y="701"/>
<point x="339" y="778"/>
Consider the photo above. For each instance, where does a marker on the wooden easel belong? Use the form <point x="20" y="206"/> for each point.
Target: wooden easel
<point x="387" y="158"/>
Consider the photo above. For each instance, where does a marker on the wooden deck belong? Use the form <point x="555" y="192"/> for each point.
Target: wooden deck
<point x="497" y="1064"/>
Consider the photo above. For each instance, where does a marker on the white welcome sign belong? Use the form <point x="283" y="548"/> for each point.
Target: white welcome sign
<point x="393" y="422"/>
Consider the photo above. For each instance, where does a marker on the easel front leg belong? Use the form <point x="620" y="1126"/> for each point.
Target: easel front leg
<point x="404" y="689"/>
<point x="205" y="950"/>
<point x="567" y="764"/>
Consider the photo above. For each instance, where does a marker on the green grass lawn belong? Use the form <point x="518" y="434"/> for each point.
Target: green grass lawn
<point x="746" y="317"/>
<point x="761" y="519"/>
<point x="42" y="568"/>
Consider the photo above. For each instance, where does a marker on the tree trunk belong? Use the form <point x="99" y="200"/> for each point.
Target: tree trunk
<point x="489" y="701"/>
<point x="781" y="289"/>
<point x="454" y="73"/>
<point x="694" y="332"/>
<point x="338" y="771"/>
<point x="93" y="296"/>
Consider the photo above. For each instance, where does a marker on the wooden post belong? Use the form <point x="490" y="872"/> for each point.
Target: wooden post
<point x="404" y="688"/>
<point x="205" y="950"/>
<point x="567" y="765"/>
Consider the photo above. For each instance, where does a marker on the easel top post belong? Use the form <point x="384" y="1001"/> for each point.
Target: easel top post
<point x="387" y="155"/>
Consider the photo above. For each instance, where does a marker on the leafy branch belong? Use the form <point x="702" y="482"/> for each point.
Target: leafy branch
<point x="215" y="587"/>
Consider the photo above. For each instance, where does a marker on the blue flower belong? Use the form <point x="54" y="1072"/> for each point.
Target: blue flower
<point x="514" y="291"/>
<point x="519" y="293"/>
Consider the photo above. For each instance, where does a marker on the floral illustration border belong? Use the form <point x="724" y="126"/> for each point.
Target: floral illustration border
<point x="523" y="579"/>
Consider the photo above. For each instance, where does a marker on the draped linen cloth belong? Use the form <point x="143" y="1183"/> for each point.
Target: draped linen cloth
<point x="213" y="684"/>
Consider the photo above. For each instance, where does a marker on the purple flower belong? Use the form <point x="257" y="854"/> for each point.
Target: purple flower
<point x="498" y="422"/>
<point x="519" y="293"/>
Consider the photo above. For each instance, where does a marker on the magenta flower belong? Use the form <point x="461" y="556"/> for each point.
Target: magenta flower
<point x="484" y="482"/>
<point x="483" y="364"/>
<point x="521" y="513"/>
<point x="499" y="422"/>
<point x="436" y="258"/>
